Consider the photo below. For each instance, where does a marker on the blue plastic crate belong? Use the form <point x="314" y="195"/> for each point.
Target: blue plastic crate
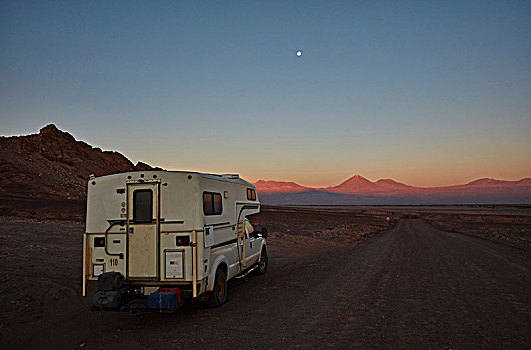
<point x="166" y="301"/>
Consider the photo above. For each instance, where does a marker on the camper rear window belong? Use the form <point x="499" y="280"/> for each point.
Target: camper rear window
<point x="251" y="194"/>
<point x="212" y="203"/>
<point x="142" y="206"/>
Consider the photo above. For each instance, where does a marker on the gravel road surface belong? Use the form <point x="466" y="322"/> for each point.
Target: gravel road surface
<point x="412" y="286"/>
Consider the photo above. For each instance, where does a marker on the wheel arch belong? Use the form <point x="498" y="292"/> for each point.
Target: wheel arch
<point x="262" y="246"/>
<point x="220" y="262"/>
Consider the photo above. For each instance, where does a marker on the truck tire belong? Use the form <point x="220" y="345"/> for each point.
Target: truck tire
<point x="262" y="263"/>
<point x="218" y="296"/>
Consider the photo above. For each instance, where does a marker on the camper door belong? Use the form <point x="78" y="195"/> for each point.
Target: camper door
<point x="143" y="230"/>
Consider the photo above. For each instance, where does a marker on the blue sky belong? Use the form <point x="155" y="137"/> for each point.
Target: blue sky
<point x="425" y="92"/>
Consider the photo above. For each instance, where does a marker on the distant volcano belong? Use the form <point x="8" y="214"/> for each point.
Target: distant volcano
<point x="356" y="184"/>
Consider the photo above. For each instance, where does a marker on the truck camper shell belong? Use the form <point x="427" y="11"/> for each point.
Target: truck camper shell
<point x="170" y="229"/>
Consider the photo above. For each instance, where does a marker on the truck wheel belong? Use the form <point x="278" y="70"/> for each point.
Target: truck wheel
<point x="218" y="296"/>
<point x="262" y="263"/>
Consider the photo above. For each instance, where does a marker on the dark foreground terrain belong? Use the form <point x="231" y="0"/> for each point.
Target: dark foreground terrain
<point x="338" y="281"/>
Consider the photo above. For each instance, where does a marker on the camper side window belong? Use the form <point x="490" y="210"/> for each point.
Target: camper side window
<point x="142" y="206"/>
<point x="251" y="194"/>
<point x="212" y="203"/>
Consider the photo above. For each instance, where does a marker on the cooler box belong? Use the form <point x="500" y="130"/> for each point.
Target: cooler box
<point x="165" y="299"/>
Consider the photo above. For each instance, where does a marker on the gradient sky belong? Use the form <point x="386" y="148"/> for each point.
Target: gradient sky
<point x="424" y="92"/>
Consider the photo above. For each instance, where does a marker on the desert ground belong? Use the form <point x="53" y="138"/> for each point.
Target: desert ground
<point x="444" y="277"/>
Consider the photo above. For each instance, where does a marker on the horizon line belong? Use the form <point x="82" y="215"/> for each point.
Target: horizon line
<point x="374" y="182"/>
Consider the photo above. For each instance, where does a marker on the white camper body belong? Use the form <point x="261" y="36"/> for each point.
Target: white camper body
<point x="170" y="229"/>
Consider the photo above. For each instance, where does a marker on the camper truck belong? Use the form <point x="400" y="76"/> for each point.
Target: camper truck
<point x="155" y="237"/>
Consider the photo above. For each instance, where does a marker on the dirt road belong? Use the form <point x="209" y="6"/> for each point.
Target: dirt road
<point x="408" y="287"/>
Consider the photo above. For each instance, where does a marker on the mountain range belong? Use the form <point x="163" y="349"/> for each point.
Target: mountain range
<point x="359" y="191"/>
<point x="53" y="164"/>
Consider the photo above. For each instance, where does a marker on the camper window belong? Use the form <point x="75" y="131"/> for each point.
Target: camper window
<point x="212" y="203"/>
<point x="251" y="194"/>
<point x="142" y="206"/>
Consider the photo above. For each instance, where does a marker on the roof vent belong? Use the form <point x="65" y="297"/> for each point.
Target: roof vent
<point x="231" y="176"/>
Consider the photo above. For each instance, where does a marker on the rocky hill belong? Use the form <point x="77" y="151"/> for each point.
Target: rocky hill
<point x="52" y="164"/>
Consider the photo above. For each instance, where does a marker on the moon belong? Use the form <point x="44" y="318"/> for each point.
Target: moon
<point x="299" y="53"/>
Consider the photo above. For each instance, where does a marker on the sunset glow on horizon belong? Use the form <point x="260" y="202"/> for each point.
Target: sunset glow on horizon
<point x="426" y="93"/>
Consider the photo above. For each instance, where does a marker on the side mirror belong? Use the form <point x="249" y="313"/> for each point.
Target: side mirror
<point x="264" y="232"/>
